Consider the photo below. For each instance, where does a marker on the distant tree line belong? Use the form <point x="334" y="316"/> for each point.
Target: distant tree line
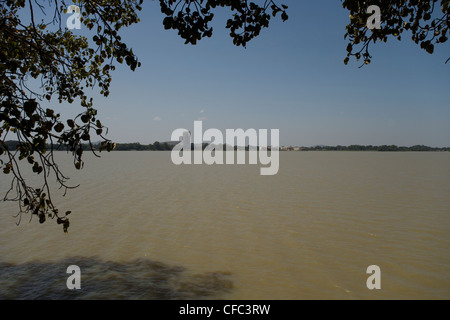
<point x="373" y="148"/>
<point x="168" y="146"/>
<point x="157" y="146"/>
<point x="136" y="146"/>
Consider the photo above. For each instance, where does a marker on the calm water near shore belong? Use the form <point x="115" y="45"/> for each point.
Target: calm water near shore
<point x="143" y="228"/>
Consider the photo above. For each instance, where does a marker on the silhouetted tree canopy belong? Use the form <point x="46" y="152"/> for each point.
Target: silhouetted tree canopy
<point x="43" y="62"/>
<point x="426" y="20"/>
<point x="192" y="18"/>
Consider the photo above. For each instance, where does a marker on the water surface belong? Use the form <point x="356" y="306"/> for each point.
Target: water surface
<point x="143" y="228"/>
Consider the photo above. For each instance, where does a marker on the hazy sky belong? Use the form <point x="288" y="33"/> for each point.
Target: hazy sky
<point x="291" y="78"/>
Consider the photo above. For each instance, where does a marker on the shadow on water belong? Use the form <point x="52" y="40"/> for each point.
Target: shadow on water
<point x="138" y="279"/>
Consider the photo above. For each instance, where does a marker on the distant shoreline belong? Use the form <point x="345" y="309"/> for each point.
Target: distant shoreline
<point x="168" y="146"/>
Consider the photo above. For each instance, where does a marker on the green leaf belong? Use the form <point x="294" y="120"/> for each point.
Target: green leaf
<point x="85" y="118"/>
<point x="349" y="48"/>
<point x="59" y="127"/>
<point x="30" y="107"/>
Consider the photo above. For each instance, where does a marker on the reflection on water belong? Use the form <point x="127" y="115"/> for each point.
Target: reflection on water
<point x="139" y="279"/>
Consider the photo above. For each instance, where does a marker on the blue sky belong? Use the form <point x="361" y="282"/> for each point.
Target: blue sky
<point x="291" y="78"/>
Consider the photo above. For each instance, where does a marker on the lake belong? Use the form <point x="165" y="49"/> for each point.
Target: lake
<point x="143" y="228"/>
